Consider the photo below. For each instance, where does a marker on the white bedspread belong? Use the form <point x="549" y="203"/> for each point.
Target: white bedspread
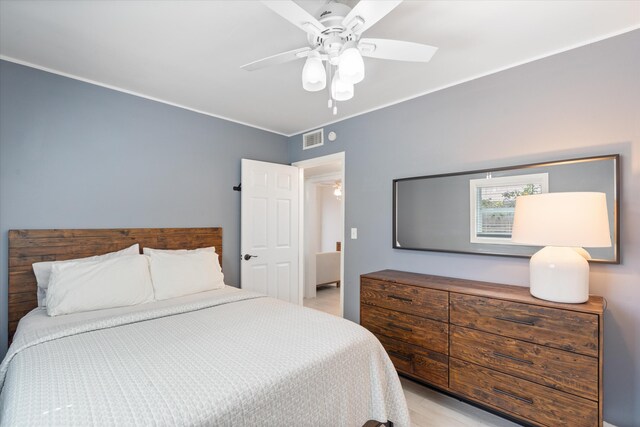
<point x="222" y="358"/>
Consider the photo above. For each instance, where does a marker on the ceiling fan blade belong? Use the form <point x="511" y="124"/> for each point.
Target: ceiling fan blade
<point x="367" y="13"/>
<point x="296" y="15"/>
<point x="396" y="50"/>
<point x="280" y="58"/>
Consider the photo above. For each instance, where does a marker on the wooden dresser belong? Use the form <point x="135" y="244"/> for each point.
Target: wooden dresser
<point x="536" y="361"/>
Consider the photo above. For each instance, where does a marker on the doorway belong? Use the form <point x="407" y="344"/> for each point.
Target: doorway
<point x="321" y="249"/>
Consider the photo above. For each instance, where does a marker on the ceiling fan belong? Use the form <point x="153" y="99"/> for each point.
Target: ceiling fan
<point x="334" y="37"/>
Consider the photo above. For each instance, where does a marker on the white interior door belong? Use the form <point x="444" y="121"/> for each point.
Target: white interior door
<point x="269" y="230"/>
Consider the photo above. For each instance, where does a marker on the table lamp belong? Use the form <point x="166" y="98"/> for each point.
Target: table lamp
<point x="563" y="223"/>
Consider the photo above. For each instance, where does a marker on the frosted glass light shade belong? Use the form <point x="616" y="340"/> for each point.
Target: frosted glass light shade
<point x="351" y="65"/>
<point x="562" y="219"/>
<point x="341" y="90"/>
<point x="314" y="76"/>
<point x="337" y="189"/>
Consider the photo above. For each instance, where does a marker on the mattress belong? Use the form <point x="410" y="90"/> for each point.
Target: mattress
<point x="225" y="358"/>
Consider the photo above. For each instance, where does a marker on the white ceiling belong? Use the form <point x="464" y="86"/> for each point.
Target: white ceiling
<point x="326" y="169"/>
<point x="188" y="53"/>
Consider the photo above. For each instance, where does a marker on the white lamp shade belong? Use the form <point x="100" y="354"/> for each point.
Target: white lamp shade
<point x="314" y="76"/>
<point x="341" y="90"/>
<point x="351" y="65"/>
<point x="562" y="219"/>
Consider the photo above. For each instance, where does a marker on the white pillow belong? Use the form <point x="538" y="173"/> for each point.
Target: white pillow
<point x="149" y="251"/>
<point x="184" y="273"/>
<point x="93" y="285"/>
<point x="42" y="270"/>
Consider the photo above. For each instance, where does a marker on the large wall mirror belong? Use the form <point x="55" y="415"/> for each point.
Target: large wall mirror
<point x="472" y="212"/>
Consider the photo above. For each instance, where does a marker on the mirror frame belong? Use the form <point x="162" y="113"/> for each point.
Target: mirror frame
<point x="616" y="204"/>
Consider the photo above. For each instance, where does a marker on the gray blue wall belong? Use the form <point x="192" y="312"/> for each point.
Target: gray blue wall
<point x="579" y="103"/>
<point x="76" y="155"/>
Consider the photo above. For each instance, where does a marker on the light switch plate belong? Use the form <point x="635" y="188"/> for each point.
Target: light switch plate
<point x="354" y="233"/>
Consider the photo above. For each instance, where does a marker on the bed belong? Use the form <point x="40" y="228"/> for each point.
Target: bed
<point x="226" y="357"/>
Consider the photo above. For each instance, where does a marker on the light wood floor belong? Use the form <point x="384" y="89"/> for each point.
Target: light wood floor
<point x="327" y="299"/>
<point x="428" y="408"/>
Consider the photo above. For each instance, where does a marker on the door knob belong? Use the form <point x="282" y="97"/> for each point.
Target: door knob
<point x="247" y="257"/>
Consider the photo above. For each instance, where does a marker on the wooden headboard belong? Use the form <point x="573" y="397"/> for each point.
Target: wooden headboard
<point x="29" y="246"/>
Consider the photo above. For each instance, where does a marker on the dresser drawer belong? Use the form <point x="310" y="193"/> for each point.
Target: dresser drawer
<point x="420" y="331"/>
<point x="428" y="365"/>
<point x="520" y="397"/>
<point x="400" y="353"/>
<point x="563" y="329"/>
<point x="407" y="299"/>
<point x="570" y="372"/>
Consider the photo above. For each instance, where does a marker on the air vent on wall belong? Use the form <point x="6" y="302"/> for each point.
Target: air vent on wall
<point x="313" y="139"/>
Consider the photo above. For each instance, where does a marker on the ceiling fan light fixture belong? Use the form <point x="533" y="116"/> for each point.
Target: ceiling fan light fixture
<point x="334" y="36"/>
<point x="351" y="65"/>
<point x="314" y="76"/>
<point x="337" y="189"/>
<point x="340" y="89"/>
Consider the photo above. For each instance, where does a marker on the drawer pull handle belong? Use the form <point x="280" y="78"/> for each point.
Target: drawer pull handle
<point x="515" y="359"/>
<point x="522" y="322"/>
<point x="400" y="298"/>
<point x="399" y="355"/>
<point x="515" y="396"/>
<point x="404" y="328"/>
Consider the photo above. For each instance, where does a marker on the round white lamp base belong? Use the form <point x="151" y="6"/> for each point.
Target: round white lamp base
<point x="560" y="274"/>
